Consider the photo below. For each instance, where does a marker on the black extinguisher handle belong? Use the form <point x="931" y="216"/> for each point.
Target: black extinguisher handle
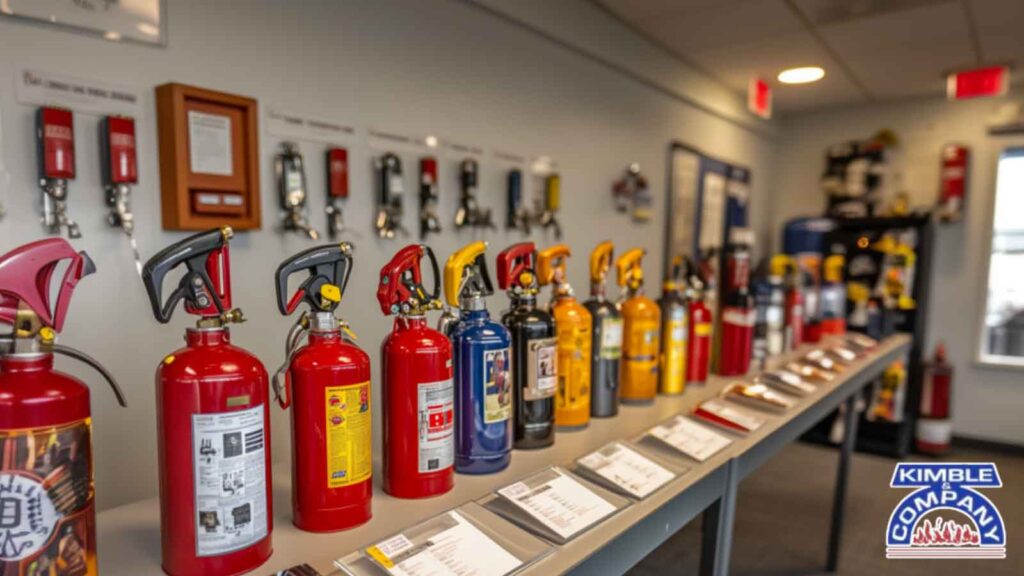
<point x="196" y="286"/>
<point x="86" y="359"/>
<point x="326" y="265"/>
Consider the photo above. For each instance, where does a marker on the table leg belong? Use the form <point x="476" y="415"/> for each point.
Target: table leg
<point x="850" y="419"/>
<point x="717" y="527"/>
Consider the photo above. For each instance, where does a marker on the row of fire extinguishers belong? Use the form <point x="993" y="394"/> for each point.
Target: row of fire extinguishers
<point x="456" y="398"/>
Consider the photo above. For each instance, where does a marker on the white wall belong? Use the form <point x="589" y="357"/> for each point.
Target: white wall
<point x="987" y="401"/>
<point x="415" y="66"/>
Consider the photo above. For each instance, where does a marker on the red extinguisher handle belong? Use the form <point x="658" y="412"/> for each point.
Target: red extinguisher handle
<point x="513" y="261"/>
<point x="401" y="287"/>
<point x="25" y="275"/>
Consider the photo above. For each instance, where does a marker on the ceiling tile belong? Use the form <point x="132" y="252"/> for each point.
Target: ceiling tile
<point x="737" y="64"/>
<point x="1000" y="24"/>
<point x="640" y="10"/>
<point x="722" y="25"/>
<point x="904" y="53"/>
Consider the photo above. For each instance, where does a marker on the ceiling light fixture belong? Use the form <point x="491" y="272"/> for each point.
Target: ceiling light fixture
<point x="802" y="75"/>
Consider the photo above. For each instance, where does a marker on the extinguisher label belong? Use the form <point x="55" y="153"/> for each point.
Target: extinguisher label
<point x="497" y="386"/>
<point x="574" y="342"/>
<point x="47" y="523"/>
<point x="436" y="425"/>
<point x="542" y="362"/>
<point x="228" y="454"/>
<point x="739" y="317"/>
<point x="643" y="340"/>
<point x="349" y="436"/>
<point x="611" y="338"/>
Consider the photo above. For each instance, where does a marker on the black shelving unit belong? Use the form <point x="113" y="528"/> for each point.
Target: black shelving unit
<point x="892" y="439"/>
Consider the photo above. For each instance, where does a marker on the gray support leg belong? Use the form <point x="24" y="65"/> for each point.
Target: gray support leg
<point x="716" y="544"/>
<point x="850" y="420"/>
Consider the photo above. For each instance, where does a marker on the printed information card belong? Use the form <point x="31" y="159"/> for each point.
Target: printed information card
<point x="691" y="438"/>
<point x="457" y="548"/>
<point x="632" y="472"/>
<point x="561" y="504"/>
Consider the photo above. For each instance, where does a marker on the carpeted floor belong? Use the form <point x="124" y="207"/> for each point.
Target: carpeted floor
<point x="782" y="520"/>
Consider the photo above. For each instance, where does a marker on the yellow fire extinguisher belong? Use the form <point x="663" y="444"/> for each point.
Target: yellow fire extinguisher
<point x="674" y="331"/>
<point x="573" y="332"/>
<point x="641" y="323"/>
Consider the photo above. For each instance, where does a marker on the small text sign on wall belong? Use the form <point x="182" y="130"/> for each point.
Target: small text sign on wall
<point x="38" y="88"/>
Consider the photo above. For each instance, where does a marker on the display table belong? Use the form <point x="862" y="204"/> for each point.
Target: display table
<point x="129" y="535"/>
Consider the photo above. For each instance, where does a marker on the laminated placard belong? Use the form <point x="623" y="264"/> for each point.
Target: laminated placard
<point x="626" y="470"/>
<point x="734" y="419"/>
<point x="555" y="504"/>
<point x="689" y="437"/>
<point x="758" y="396"/>
<point x="467" y="541"/>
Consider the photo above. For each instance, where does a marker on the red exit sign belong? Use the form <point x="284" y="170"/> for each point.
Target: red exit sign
<point x="759" y="98"/>
<point x="989" y="81"/>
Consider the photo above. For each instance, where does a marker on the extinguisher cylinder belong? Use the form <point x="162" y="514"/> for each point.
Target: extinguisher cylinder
<point x="331" y="434"/>
<point x="640" y="348"/>
<point x="213" y="440"/>
<point x="419" y="410"/>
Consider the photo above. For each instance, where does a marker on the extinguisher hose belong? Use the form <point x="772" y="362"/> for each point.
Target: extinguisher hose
<point x="85" y="358"/>
<point x="281" y="390"/>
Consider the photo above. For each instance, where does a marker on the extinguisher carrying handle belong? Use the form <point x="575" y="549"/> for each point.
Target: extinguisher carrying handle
<point x="196" y="287"/>
<point x="401" y="281"/>
<point x="601" y="262"/>
<point x="551" y="264"/>
<point x="86" y="359"/>
<point x="329" y="268"/>
<point x="465" y="274"/>
<point x="513" y="262"/>
<point x="25" y="275"/>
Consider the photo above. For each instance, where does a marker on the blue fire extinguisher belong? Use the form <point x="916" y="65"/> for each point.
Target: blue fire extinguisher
<point x="483" y="359"/>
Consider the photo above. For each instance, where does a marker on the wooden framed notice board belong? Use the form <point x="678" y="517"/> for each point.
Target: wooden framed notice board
<point x="209" y="158"/>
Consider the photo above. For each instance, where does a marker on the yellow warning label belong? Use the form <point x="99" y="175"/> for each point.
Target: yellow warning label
<point x="380" y="557"/>
<point x="349" y="440"/>
<point x="702" y="329"/>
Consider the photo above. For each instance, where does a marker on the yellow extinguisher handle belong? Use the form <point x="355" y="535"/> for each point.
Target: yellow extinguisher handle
<point x="553" y="194"/>
<point x="601" y="261"/>
<point x="550" y="262"/>
<point x="629" y="268"/>
<point x="456" y="266"/>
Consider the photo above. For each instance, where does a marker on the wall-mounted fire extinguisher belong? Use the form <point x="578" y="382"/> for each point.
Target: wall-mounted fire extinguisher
<point x="119" y="167"/>
<point x="934" y="431"/>
<point x="518" y="214"/>
<point x="793" y="310"/>
<point x="956" y="160"/>
<point x="698" y="353"/>
<point x="326" y="382"/>
<point x="832" y="301"/>
<point x="292" y="188"/>
<point x="606" y="336"/>
<point x="337" y="190"/>
<point x="482" y="356"/>
<point x="55" y="147"/>
<point x="641" y="326"/>
<point x="429" y="196"/>
<point x="534" y="357"/>
<point x="213" y="422"/>
<point x="49" y="518"/>
<point x="573" y="327"/>
<point x="417" y="387"/>
<point x="737" y="313"/>
<point x="675" y="331"/>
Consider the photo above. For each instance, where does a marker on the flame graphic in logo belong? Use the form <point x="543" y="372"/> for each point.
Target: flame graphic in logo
<point x="945" y="533"/>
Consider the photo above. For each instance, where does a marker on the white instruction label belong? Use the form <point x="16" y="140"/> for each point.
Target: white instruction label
<point x="696" y="441"/>
<point x="611" y="338"/>
<point x="437" y="425"/>
<point x="627" y="469"/>
<point x="209" y="144"/>
<point x="230" y="480"/>
<point x="562" y="504"/>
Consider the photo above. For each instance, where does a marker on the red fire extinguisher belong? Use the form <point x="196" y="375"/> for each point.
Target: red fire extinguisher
<point x="935" y="423"/>
<point x="46" y="477"/>
<point x="213" y="425"/>
<point x="698" y="352"/>
<point x="327" y="384"/>
<point x="953" y="182"/>
<point x="417" y="385"/>
<point x="794" y="310"/>
<point x="738" y="314"/>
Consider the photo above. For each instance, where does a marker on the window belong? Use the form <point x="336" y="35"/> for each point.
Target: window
<point x="1003" y="336"/>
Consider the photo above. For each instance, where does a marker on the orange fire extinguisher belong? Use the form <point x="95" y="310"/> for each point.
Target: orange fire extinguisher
<point x="641" y="324"/>
<point x="572" y="330"/>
